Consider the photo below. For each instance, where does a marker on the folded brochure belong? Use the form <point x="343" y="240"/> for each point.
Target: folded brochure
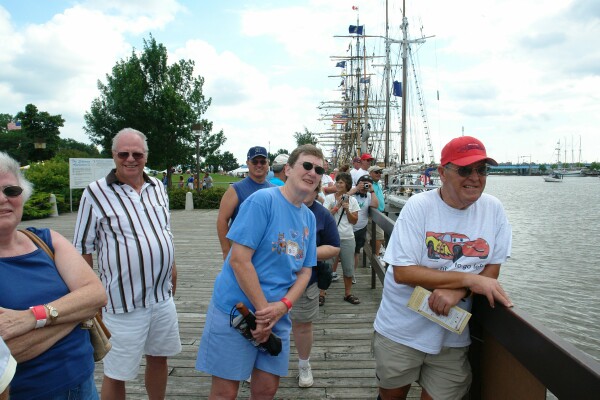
<point x="455" y="321"/>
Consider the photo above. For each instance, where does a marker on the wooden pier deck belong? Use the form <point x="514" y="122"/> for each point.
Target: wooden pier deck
<point x="341" y="360"/>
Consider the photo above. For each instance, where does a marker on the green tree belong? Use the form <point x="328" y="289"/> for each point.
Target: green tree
<point x="273" y="155"/>
<point x="161" y="100"/>
<point x="16" y="145"/>
<point x="305" y="138"/>
<point x="4" y="120"/>
<point x="216" y="161"/>
<point x="595" y="166"/>
<point x="40" y="127"/>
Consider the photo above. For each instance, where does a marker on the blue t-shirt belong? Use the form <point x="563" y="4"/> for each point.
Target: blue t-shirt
<point x="327" y="233"/>
<point x="276" y="181"/>
<point x="283" y="238"/>
<point x="244" y="189"/>
<point x="29" y="280"/>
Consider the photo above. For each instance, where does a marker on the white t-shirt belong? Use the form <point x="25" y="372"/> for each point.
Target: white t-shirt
<point x="357" y="173"/>
<point x="430" y="233"/>
<point x="363" y="214"/>
<point x="344" y="227"/>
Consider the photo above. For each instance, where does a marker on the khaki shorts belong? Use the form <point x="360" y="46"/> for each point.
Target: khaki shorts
<point x="379" y="234"/>
<point x="306" y="308"/>
<point x="446" y="375"/>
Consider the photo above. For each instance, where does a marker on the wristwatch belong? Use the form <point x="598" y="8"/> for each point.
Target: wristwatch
<point x="52" y="312"/>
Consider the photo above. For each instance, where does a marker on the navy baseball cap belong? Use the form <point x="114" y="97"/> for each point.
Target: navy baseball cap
<point x="257" y="151"/>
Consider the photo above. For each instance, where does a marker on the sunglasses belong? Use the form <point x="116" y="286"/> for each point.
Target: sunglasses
<point x="262" y="161"/>
<point x="465" y="172"/>
<point x="377" y="172"/>
<point x="124" y="155"/>
<point x="12" y="190"/>
<point x="308" y="166"/>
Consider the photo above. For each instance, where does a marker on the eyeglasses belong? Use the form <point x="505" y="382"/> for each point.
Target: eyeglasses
<point x="465" y="172"/>
<point x="12" y="190"/>
<point x="377" y="172"/>
<point x="308" y="166"/>
<point x="124" y="155"/>
<point x="262" y="161"/>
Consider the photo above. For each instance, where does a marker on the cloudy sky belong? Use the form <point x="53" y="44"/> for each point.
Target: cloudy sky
<point x="519" y="74"/>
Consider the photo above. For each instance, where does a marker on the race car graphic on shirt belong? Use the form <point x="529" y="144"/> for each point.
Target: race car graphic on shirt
<point x="452" y="246"/>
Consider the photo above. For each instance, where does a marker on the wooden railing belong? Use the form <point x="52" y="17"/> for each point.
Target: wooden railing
<point x="513" y="356"/>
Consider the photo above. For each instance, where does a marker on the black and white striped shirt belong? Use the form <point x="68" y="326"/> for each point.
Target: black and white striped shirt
<point x="132" y="235"/>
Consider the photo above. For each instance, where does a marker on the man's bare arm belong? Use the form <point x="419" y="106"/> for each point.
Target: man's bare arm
<point x="229" y="202"/>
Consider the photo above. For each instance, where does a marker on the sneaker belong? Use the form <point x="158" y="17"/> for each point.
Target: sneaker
<point x="354" y="280"/>
<point x="305" y="378"/>
<point x="334" y="276"/>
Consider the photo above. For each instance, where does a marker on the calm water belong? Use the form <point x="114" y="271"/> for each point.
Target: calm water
<point x="554" y="271"/>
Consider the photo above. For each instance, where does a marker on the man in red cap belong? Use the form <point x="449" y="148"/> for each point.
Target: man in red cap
<point x="365" y="162"/>
<point x="451" y="241"/>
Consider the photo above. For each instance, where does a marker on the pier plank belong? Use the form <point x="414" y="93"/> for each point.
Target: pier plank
<point x="341" y="360"/>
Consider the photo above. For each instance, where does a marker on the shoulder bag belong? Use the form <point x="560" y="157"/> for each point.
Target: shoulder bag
<point x="99" y="333"/>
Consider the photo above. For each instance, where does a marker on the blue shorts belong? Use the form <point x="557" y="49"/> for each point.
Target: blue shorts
<point x="225" y="353"/>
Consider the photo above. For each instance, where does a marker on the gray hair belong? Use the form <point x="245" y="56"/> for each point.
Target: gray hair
<point x="9" y="165"/>
<point x="125" y="131"/>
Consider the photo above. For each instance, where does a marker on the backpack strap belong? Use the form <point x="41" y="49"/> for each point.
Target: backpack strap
<point x="38" y="242"/>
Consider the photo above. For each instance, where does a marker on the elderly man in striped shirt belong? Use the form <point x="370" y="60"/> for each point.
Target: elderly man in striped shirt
<point x="125" y="218"/>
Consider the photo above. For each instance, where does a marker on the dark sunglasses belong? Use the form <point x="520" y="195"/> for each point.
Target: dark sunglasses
<point x="465" y="172"/>
<point x="124" y="155"/>
<point x="12" y="191"/>
<point x="262" y="161"/>
<point x="377" y="172"/>
<point x="308" y="166"/>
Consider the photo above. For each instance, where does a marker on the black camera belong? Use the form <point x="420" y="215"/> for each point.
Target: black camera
<point x="367" y="185"/>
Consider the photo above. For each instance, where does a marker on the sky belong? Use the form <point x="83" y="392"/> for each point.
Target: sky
<point x="521" y="75"/>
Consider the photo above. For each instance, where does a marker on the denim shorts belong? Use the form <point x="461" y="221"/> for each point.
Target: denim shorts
<point x="86" y="390"/>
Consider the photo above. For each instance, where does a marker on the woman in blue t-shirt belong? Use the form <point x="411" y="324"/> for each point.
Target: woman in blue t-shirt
<point x="43" y="302"/>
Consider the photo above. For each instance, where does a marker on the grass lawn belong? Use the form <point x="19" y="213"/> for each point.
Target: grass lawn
<point x="218" y="180"/>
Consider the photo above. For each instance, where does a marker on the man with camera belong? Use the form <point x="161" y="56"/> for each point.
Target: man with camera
<point x="365" y="197"/>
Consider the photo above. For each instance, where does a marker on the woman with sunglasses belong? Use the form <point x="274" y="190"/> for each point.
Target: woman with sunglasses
<point x="273" y="251"/>
<point x="43" y="302"/>
<point x="344" y="209"/>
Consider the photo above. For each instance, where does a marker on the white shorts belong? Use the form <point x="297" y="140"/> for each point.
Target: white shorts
<point x="153" y="331"/>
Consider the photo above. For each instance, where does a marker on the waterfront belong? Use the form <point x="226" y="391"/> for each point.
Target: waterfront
<point x="554" y="271"/>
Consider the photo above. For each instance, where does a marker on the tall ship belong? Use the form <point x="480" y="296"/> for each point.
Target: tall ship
<point x="379" y="107"/>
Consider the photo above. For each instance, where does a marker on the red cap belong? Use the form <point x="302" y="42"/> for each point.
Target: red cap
<point x="366" y="156"/>
<point x="465" y="150"/>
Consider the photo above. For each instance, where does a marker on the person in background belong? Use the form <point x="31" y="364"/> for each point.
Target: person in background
<point x="407" y="346"/>
<point x="125" y="218"/>
<point x="355" y="171"/>
<point x="190" y="181"/>
<point x="279" y="163"/>
<point x="334" y="173"/>
<point x="207" y="182"/>
<point x="43" y="302"/>
<point x="268" y="268"/>
<point x="344" y="208"/>
<point x="365" y="162"/>
<point x="306" y="309"/>
<point x="375" y="173"/>
<point x="327" y="183"/>
<point x="258" y="167"/>
<point x="181" y="183"/>
<point x="363" y="193"/>
<point x="8" y="365"/>
<point x="165" y="179"/>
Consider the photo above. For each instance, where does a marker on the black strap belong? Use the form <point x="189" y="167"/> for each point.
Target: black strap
<point x="341" y="215"/>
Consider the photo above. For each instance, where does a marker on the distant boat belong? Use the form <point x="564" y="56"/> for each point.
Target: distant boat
<point x="553" y="178"/>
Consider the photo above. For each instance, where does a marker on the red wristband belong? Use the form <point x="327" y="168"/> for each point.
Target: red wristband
<point x="287" y="303"/>
<point x="40" y="316"/>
